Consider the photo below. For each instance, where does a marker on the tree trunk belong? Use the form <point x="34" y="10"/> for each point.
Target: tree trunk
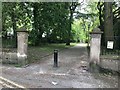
<point x="72" y="9"/>
<point x="100" y="8"/>
<point x="108" y="27"/>
<point x="35" y="24"/>
<point x="13" y="17"/>
<point x="70" y="27"/>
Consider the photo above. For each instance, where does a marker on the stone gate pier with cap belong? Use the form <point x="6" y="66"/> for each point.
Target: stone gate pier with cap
<point x="95" y="45"/>
<point x="22" y="44"/>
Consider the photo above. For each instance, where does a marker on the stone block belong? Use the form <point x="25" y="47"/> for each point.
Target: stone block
<point x="9" y="57"/>
<point x="110" y="64"/>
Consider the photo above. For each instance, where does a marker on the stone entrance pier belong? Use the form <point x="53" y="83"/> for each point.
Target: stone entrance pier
<point x="95" y="44"/>
<point x="20" y="55"/>
<point x="22" y="45"/>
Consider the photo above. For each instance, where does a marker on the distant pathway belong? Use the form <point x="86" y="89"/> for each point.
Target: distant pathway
<point x="71" y="73"/>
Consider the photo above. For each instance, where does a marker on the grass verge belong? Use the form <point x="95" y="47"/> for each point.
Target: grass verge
<point x="36" y="53"/>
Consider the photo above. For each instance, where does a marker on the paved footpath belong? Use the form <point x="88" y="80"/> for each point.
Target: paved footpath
<point x="71" y="73"/>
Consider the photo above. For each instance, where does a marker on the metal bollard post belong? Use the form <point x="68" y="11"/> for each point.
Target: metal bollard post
<point x="55" y="58"/>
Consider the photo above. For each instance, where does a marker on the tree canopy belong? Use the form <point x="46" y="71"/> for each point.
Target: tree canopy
<point x="60" y="22"/>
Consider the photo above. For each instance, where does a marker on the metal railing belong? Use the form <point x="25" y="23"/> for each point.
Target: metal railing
<point x="111" y="47"/>
<point x="9" y="44"/>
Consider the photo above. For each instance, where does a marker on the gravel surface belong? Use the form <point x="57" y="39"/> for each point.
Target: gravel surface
<point x="71" y="73"/>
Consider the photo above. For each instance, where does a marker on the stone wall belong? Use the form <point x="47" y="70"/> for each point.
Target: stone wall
<point x="21" y="55"/>
<point x="9" y="57"/>
<point x="110" y="63"/>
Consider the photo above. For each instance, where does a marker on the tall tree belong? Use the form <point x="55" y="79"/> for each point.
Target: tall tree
<point x="108" y="25"/>
<point x="72" y="8"/>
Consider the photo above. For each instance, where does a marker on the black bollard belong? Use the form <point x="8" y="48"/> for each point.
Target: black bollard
<point x="55" y="58"/>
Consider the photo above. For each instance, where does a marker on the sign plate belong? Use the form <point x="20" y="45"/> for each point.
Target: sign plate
<point x="110" y="44"/>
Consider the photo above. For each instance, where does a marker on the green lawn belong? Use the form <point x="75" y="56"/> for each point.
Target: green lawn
<point x="35" y="53"/>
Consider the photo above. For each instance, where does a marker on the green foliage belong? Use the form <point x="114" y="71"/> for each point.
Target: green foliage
<point x="50" y="20"/>
<point x="54" y="22"/>
<point x="78" y="32"/>
<point x="85" y="22"/>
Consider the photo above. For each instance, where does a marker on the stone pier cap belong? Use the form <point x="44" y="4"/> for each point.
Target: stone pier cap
<point x="22" y="29"/>
<point x="96" y="31"/>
